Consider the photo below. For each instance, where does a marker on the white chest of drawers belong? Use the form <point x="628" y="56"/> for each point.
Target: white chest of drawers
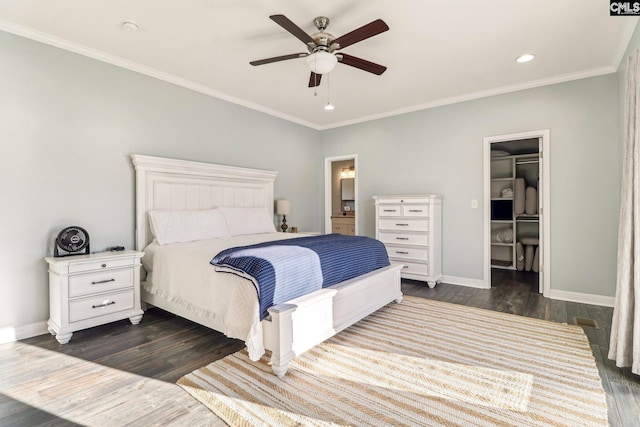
<point x="91" y="290"/>
<point x="411" y="229"/>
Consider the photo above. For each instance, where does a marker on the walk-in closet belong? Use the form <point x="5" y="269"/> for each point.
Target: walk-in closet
<point x="515" y="209"/>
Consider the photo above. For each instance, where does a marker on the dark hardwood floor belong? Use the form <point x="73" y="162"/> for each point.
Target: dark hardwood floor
<point x="44" y="383"/>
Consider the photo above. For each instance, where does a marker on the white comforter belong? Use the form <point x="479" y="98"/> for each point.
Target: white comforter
<point x="182" y="273"/>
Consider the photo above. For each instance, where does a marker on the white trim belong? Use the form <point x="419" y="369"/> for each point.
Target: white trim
<point x="580" y="297"/>
<point x="15" y="333"/>
<point x="595" y="72"/>
<point x="465" y="281"/>
<point x="545" y="239"/>
<point x="327" y="189"/>
<point x="622" y="47"/>
<point x="32" y="34"/>
<point x="142" y="69"/>
<point x="554" y="294"/>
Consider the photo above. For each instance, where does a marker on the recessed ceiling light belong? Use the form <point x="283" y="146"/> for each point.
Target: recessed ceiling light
<point x="525" y="58"/>
<point x="129" y="26"/>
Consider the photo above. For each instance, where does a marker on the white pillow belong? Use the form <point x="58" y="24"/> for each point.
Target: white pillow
<point x="187" y="226"/>
<point x="242" y="221"/>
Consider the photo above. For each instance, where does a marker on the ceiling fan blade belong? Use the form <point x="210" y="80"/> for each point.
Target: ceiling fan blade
<point x="297" y="32"/>
<point x="362" y="64"/>
<point x="371" y="29"/>
<point x="278" y="58"/>
<point x="314" y="79"/>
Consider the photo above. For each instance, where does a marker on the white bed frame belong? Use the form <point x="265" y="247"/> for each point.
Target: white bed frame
<point x="292" y="327"/>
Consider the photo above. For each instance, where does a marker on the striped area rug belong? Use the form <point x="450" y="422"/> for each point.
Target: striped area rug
<point x="419" y="362"/>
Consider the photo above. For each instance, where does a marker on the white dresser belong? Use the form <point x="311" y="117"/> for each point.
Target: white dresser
<point x="411" y="229"/>
<point x="91" y="290"/>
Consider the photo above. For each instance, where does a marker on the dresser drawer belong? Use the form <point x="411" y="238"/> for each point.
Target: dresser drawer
<point x="407" y="253"/>
<point x="390" y="210"/>
<point x="79" y="267"/>
<point x="403" y="224"/>
<point x="415" y="268"/>
<point x="100" y="281"/>
<point x="87" y="308"/>
<point x="415" y="210"/>
<point x="401" y="238"/>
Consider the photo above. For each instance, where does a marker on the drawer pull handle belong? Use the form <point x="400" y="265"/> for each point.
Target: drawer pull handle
<point x="415" y="210"/>
<point x="390" y="210"/>
<point x="402" y="252"/>
<point x="402" y="238"/>
<point x="103" y="281"/>
<point x="402" y="225"/>
<point x="104" y="265"/>
<point x="405" y="266"/>
<point x="103" y="305"/>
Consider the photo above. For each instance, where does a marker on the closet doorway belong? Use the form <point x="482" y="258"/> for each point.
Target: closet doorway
<point x="516" y="208"/>
<point x="341" y="194"/>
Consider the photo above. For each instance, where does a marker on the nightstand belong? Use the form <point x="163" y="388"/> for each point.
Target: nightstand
<point x="91" y="290"/>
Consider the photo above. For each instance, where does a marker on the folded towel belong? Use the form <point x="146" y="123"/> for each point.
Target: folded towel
<point x="536" y="260"/>
<point x="507" y="192"/>
<point x="528" y="257"/>
<point x="531" y="201"/>
<point x="519" y="257"/>
<point x="519" y="196"/>
<point x="502" y="235"/>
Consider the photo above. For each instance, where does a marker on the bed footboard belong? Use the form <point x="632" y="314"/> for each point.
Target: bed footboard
<point x="296" y="326"/>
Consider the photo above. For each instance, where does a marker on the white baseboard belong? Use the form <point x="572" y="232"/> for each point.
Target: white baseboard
<point x="12" y="333"/>
<point x="552" y="293"/>
<point x="581" y="297"/>
<point x="465" y="281"/>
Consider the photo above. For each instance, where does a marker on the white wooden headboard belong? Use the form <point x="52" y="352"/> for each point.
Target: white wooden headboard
<point x="163" y="183"/>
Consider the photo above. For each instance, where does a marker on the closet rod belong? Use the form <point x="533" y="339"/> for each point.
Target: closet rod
<point x="527" y="162"/>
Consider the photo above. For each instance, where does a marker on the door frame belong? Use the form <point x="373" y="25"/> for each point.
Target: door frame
<point x="328" y="161"/>
<point x="545" y="216"/>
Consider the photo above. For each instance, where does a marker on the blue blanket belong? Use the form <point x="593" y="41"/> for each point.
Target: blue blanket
<point x="286" y="269"/>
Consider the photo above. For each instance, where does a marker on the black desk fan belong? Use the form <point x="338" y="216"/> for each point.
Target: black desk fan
<point x="72" y="240"/>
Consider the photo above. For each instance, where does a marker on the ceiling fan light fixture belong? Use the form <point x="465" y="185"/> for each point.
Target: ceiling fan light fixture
<point x="321" y="62"/>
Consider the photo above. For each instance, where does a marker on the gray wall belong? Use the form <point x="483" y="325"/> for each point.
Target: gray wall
<point x="67" y="126"/>
<point x="440" y="151"/>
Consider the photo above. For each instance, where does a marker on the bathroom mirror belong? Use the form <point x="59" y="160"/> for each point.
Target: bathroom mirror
<point x="347" y="188"/>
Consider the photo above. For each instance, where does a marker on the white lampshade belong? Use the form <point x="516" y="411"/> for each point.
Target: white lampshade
<point x="321" y="62"/>
<point x="283" y="207"/>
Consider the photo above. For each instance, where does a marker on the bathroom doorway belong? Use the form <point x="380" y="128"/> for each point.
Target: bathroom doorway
<point x="341" y="194"/>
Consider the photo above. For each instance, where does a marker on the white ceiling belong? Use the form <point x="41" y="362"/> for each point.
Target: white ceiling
<point x="437" y="52"/>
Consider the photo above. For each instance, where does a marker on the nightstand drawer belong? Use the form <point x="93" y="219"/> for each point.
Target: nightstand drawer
<point x="403" y="224"/>
<point x="415" y="268"/>
<point x="101" y="281"/>
<point x="407" y="253"/>
<point x="415" y="210"/>
<point x="79" y="267"/>
<point x="87" y="308"/>
<point x="407" y="239"/>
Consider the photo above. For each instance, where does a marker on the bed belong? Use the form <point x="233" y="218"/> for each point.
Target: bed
<point x="291" y="327"/>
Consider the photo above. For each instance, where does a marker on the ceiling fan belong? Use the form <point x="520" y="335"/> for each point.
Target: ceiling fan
<point x="322" y="46"/>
